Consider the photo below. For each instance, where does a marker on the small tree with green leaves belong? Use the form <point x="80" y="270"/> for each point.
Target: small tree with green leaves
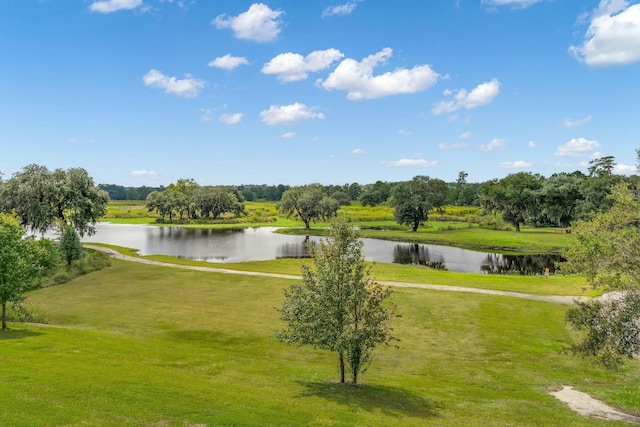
<point x="21" y="262"/>
<point x="70" y="245"/>
<point x="606" y="251"/>
<point x="338" y="307"/>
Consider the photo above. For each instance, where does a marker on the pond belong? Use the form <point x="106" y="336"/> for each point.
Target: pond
<point x="259" y="244"/>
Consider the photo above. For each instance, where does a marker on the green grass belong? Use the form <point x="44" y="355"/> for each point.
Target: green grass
<point x="538" y="285"/>
<point x="137" y="345"/>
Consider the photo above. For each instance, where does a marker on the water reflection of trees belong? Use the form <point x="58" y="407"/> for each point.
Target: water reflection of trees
<point x="520" y="264"/>
<point x="296" y="250"/>
<point x="418" y="255"/>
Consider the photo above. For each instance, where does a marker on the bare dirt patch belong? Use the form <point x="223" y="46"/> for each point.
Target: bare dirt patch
<point x="586" y="405"/>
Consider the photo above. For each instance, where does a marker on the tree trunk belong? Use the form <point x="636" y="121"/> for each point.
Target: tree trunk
<point x="306" y="224"/>
<point x="415" y="226"/>
<point x="4" y="316"/>
<point x="341" y="356"/>
<point x="517" y="226"/>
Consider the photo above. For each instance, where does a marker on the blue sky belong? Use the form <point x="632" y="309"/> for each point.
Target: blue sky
<point x="143" y="92"/>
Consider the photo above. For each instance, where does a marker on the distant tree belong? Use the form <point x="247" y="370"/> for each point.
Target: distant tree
<point x="606" y="251"/>
<point x="461" y="182"/>
<point x="341" y="197"/>
<point x="338" y="307"/>
<point x="516" y="196"/>
<point x="21" y="262"/>
<point x="638" y="159"/>
<point x="355" y="190"/>
<point x="559" y="197"/>
<point x="594" y="192"/>
<point x="602" y="166"/>
<point x="412" y="200"/>
<point x="308" y="203"/>
<point x="44" y="199"/>
<point x="70" y="245"/>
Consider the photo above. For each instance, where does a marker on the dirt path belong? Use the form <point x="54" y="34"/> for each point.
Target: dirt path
<point x="550" y="298"/>
<point x="587" y="406"/>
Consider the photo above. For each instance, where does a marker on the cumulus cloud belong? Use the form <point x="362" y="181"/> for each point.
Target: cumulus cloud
<point x="495" y="144"/>
<point x="613" y="36"/>
<point x="228" y="62"/>
<point x="259" y="23"/>
<point x="291" y="67"/>
<point x="568" y="123"/>
<point x="410" y="163"/>
<point x="108" y="6"/>
<point x="288" y="114"/>
<point x="143" y="172"/>
<point x="520" y="164"/>
<point x="465" y="135"/>
<point x="452" y="146"/>
<point x="288" y="135"/>
<point x="480" y="95"/>
<point x="231" y="119"/>
<point x="187" y="87"/>
<point x="532" y="144"/>
<point x="624" y="169"/>
<point x="358" y="80"/>
<point x="577" y="147"/>
<point x="514" y="3"/>
<point x="341" y="9"/>
<point x="358" y="151"/>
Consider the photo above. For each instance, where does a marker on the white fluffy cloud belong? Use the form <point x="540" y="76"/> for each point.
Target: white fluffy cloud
<point x="452" y="146"/>
<point x="577" y="147"/>
<point x="341" y="9"/>
<point x="143" y="172"/>
<point x="494" y="144"/>
<point x="108" y="6"/>
<point x="291" y="67"/>
<point x="465" y="135"/>
<point x="259" y="23"/>
<point x="568" y="123"/>
<point x="520" y="164"/>
<point x="358" y="80"/>
<point x="613" y="36"/>
<point x="288" y="135"/>
<point x="231" y="119"/>
<point x="187" y="87"/>
<point x="410" y="163"/>
<point x="480" y="95"/>
<point x="288" y="114"/>
<point x="532" y="144"/>
<point x="358" y="151"/>
<point x="514" y="3"/>
<point x="228" y="62"/>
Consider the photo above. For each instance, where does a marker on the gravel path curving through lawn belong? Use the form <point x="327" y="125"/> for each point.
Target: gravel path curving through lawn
<point x="550" y="298"/>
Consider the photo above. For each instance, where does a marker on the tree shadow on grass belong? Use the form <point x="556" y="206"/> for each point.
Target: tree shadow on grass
<point x="391" y="401"/>
<point x="17" y="334"/>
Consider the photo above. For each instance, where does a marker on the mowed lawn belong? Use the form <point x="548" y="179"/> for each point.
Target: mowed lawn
<point x="138" y="345"/>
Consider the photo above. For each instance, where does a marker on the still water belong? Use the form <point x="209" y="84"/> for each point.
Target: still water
<point x="257" y="244"/>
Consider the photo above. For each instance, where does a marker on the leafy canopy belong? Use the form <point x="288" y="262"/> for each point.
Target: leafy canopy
<point x="337" y="307"/>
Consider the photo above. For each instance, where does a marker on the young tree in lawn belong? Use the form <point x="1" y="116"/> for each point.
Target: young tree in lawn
<point x="337" y="306"/>
<point x="70" y="245"/>
<point x="412" y="200"/>
<point x="21" y="262"/>
<point x="606" y="251"/>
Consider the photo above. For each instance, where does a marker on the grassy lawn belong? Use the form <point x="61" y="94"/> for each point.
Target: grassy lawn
<point x="137" y="345"/>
